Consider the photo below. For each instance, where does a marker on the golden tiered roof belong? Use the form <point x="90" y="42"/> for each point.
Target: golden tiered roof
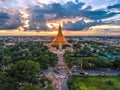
<point x="59" y="39"/>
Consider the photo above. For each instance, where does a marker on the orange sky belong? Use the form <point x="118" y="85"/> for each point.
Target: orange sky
<point x="98" y="30"/>
<point x="91" y="32"/>
<point x="10" y="7"/>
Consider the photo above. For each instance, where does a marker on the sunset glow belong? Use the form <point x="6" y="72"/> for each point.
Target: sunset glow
<point x="85" y="17"/>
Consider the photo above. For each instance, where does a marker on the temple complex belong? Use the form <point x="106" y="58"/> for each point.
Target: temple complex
<point x="60" y="42"/>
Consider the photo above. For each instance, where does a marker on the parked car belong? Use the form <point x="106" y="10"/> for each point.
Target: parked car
<point x="83" y="73"/>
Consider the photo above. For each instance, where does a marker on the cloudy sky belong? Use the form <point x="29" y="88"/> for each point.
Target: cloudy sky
<point x="77" y="17"/>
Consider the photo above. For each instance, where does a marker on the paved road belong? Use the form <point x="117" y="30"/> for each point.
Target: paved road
<point x="97" y="72"/>
<point x="60" y="72"/>
<point x="61" y="76"/>
<point x="63" y="79"/>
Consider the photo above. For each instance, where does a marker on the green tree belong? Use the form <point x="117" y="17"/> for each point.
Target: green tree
<point x="6" y="61"/>
<point x="25" y="70"/>
<point x="7" y="83"/>
<point x="116" y="63"/>
<point x="30" y="86"/>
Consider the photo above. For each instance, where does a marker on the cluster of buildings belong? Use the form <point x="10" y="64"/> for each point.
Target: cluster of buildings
<point x="60" y="41"/>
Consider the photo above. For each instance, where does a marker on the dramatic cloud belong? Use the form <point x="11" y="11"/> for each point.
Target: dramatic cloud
<point x="54" y="11"/>
<point x="3" y="18"/>
<point x="115" y="6"/>
<point x="80" y="25"/>
<point x="37" y="18"/>
<point x="8" y="20"/>
<point x="98" y="14"/>
<point x="40" y="14"/>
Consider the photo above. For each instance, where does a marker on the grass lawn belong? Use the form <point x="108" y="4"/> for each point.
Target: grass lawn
<point x="94" y="82"/>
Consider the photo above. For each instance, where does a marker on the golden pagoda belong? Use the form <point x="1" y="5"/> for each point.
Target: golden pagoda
<point x="59" y="39"/>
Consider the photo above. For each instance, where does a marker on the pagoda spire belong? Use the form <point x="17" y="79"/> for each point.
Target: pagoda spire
<point x="60" y="30"/>
<point x="59" y="38"/>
